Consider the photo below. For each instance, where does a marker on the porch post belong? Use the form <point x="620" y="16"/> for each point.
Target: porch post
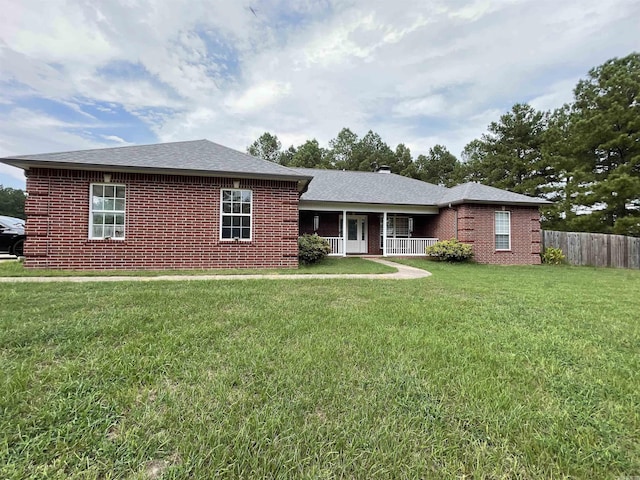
<point x="344" y="233"/>
<point x="384" y="234"/>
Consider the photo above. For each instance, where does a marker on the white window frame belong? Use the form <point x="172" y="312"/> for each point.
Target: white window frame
<point x="223" y="215"/>
<point x="92" y="211"/>
<point x="496" y="232"/>
<point x="392" y="227"/>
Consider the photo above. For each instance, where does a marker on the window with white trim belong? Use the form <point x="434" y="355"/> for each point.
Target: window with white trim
<point x="107" y="211"/>
<point x="397" y="227"/>
<point x="235" y="215"/>
<point x="503" y="230"/>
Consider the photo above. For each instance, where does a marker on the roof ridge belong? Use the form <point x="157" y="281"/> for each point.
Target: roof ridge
<point x="337" y="170"/>
<point x="363" y="171"/>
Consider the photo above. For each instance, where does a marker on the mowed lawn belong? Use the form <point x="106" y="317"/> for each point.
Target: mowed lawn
<point x="475" y="372"/>
<point x="330" y="265"/>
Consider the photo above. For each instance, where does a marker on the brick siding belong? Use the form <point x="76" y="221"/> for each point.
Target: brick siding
<point x="172" y="222"/>
<point x="476" y="226"/>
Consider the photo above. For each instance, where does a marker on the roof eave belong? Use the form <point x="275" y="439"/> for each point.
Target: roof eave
<point x="372" y="207"/>
<point x="535" y="203"/>
<point x="362" y="202"/>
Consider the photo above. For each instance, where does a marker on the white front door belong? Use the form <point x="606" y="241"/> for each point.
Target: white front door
<point x="357" y="234"/>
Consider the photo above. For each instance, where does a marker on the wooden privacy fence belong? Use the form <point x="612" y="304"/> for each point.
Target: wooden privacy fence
<point x="597" y="249"/>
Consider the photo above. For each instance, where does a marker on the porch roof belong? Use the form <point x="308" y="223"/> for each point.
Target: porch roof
<point x="339" y="186"/>
<point x="368" y="187"/>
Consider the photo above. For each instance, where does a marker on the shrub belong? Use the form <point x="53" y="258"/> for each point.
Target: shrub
<point x="450" y="251"/>
<point x="553" y="256"/>
<point x="312" y="248"/>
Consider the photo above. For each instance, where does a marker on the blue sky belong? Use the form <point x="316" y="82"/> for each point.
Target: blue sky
<point x="77" y="74"/>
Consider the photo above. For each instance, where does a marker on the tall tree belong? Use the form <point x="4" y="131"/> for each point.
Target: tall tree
<point x="310" y="155"/>
<point x="341" y="149"/>
<point x="267" y="147"/>
<point x="559" y="152"/>
<point x="371" y="152"/>
<point x="509" y="156"/>
<point x="440" y="167"/>
<point x="286" y="157"/>
<point x="12" y="202"/>
<point x="403" y="162"/>
<point x="607" y="131"/>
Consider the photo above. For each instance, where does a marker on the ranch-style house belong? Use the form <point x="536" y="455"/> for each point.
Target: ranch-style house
<point x="198" y="204"/>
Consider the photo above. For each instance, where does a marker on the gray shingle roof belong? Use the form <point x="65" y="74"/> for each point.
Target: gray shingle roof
<point x="206" y="157"/>
<point x="191" y="157"/>
<point x="477" y="193"/>
<point x="369" y="187"/>
<point x="391" y="189"/>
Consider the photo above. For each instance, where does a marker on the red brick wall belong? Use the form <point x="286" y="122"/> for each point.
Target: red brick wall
<point x="444" y="225"/>
<point x="373" y="239"/>
<point x="476" y="226"/>
<point x="172" y="222"/>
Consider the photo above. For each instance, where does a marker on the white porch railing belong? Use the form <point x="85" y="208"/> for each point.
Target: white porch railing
<point x="395" y="246"/>
<point x="336" y="245"/>
<point x="408" y="246"/>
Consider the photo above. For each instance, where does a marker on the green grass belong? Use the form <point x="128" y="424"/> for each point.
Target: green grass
<point x="330" y="265"/>
<point x="475" y="372"/>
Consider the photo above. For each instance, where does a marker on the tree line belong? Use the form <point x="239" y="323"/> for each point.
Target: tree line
<point x="583" y="156"/>
<point x="12" y="202"/>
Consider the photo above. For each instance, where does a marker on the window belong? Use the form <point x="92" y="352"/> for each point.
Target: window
<point x="400" y="227"/>
<point x="503" y="230"/>
<point x="397" y="227"/>
<point x="236" y="215"/>
<point x="107" y="211"/>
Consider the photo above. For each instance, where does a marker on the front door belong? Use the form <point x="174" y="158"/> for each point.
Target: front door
<point x="357" y="234"/>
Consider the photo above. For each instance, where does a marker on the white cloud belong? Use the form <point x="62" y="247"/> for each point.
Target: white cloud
<point x="259" y="96"/>
<point x="52" y="32"/>
<point x="115" y="138"/>
<point x="27" y="132"/>
<point x="474" y="10"/>
<point x="427" y="106"/>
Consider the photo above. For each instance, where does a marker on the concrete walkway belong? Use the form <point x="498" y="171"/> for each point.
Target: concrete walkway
<point x="404" y="272"/>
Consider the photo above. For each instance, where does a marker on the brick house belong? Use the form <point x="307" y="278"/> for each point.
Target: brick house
<point x="198" y="204"/>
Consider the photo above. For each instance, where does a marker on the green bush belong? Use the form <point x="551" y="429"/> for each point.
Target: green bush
<point x="312" y="248"/>
<point x="450" y="251"/>
<point x="553" y="256"/>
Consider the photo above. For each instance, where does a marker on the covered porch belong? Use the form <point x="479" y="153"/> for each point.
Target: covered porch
<point x="390" y="231"/>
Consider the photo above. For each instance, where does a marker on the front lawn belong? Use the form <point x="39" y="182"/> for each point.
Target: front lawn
<point x="329" y="265"/>
<point x="475" y="372"/>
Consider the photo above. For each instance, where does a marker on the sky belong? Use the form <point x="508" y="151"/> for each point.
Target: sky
<point x="78" y="74"/>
